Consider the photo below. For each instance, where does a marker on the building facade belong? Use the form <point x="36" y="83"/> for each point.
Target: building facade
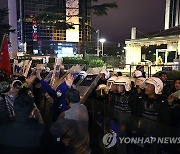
<point x="42" y="38"/>
<point x="164" y="45"/>
<point x="172" y="13"/>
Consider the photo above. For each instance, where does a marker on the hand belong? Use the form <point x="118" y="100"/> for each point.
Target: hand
<point x="38" y="74"/>
<point x="69" y="82"/>
<point x="170" y="99"/>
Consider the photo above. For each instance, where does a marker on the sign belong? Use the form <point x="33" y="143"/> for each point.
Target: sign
<point x="88" y="80"/>
<point x="166" y="69"/>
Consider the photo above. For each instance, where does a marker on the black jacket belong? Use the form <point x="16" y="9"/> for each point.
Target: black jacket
<point x="24" y="137"/>
<point x="156" y="109"/>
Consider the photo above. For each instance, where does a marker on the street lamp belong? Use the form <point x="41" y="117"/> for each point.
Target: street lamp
<point x="102" y="40"/>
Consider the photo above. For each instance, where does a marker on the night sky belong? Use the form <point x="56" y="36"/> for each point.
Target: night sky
<point x="146" y="15"/>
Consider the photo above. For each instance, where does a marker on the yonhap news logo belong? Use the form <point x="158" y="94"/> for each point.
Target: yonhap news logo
<point x="109" y="140"/>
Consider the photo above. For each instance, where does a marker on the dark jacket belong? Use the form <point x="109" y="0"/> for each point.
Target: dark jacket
<point x="156" y="109"/>
<point x="121" y="102"/>
<point x="72" y="128"/>
<point x="21" y="136"/>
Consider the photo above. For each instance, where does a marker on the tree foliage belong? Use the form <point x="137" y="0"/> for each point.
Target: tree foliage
<point x="49" y="15"/>
<point x="102" y="9"/>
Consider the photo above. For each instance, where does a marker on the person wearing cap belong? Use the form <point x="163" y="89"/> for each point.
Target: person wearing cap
<point x="72" y="126"/>
<point x="58" y="95"/>
<point x="139" y="85"/>
<point x="111" y="87"/>
<point x="104" y="76"/>
<point x="153" y="105"/>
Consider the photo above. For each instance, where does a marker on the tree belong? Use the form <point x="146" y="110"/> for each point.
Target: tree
<point x="4" y="28"/>
<point x="49" y="16"/>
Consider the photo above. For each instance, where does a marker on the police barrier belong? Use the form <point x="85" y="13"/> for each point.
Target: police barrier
<point x="105" y="118"/>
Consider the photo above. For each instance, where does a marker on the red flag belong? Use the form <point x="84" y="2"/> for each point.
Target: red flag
<point x="4" y="57"/>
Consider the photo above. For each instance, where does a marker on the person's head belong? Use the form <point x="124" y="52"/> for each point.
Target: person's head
<point x="26" y="91"/>
<point x="137" y="74"/>
<point x="119" y="74"/>
<point x="139" y="84"/>
<point x="23" y="106"/>
<point x="16" y="86"/>
<point x="73" y="96"/>
<point x="140" y="68"/>
<point x="122" y="84"/>
<point x="3" y="76"/>
<point x="110" y="82"/>
<point x="4" y="87"/>
<point x="22" y="78"/>
<point x="177" y="84"/>
<point x="104" y="74"/>
<point x="110" y="73"/>
<point x="153" y="86"/>
<point x="163" y="76"/>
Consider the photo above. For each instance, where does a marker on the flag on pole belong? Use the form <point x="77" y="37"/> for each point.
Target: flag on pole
<point x="4" y="57"/>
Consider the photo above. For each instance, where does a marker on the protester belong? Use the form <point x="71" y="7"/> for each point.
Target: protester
<point x="35" y="112"/>
<point x="23" y="80"/>
<point x="72" y="126"/>
<point x="23" y="135"/>
<point x="59" y="95"/>
<point x="4" y="114"/>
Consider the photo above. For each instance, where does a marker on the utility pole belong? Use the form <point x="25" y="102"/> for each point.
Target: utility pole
<point x="22" y="23"/>
<point x="83" y="28"/>
<point x="97" y="42"/>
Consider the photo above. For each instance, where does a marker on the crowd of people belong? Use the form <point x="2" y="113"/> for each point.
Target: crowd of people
<point x="22" y="127"/>
<point x="150" y="99"/>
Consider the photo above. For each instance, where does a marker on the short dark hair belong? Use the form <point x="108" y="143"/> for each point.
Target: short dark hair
<point x="162" y="73"/>
<point x="138" y="66"/>
<point x="22" y="78"/>
<point x="73" y="96"/>
<point x="24" y="91"/>
<point x="16" y="83"/>
<point x="23" y="104"/>
<point x="119" y="73"/>
<point x="176" y="79"/>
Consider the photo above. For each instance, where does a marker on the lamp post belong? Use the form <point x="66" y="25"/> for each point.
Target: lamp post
<point x="102" y="40"/>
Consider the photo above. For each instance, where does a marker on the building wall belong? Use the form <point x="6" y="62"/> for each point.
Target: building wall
<point x="172" y="13"/>
<point x="46" y="39"/>
<point x="133" y="54"/>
